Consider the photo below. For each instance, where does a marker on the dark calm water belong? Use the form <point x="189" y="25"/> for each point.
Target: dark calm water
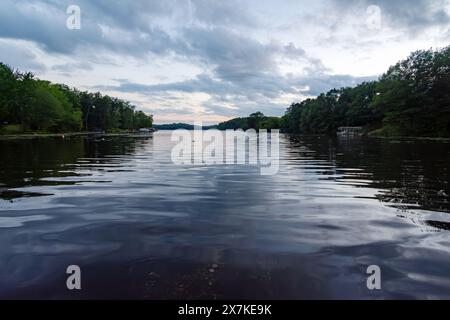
<point x="141" y="227"/>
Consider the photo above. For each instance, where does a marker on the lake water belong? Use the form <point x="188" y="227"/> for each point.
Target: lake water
<point x="141" y="227"/>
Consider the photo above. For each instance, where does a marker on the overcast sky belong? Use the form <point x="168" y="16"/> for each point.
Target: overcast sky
<point x="186" y="60"/>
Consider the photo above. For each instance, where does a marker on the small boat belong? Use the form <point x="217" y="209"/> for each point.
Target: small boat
<point x="350" y="131"/>
<point x="147" y="131"/>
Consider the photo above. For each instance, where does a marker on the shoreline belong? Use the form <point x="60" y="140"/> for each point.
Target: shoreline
<point x="409" y="138"/>
<point x="82" y="134"/>
<point x="63" y="135"/>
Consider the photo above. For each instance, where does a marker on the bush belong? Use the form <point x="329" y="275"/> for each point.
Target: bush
<point x="11" y="129"/>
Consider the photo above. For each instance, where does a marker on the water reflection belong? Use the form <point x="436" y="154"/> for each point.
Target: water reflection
<point x="141" y="227"/>
<point x="53" y="162"/>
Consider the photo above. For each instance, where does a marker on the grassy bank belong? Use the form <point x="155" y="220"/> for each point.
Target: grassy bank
<point x="61" y="135"/>
<point x="399" y="132"/>
<point x="41" y="135"/>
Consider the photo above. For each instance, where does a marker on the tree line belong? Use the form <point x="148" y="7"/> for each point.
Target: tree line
<point x="28" y="104"/>
<point x="411" y="99"/>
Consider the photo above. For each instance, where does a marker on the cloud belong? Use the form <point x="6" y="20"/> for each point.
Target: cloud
<point x="411" y="15"/>
<point x="44" y="23"/>
<point x="242" y="98"/>
<point x="223" y="13"/>
<point x="71" y="67"/>
<point x="17" y="55"/>
<point x="132" y="28"/>
<point x="415" y="13"/>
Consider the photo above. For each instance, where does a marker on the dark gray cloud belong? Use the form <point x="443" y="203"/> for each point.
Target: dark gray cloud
<point x="235" y="57"/>
<point x="136" y="27"/>
<point x="44" y="23"/>
<point x="415" y="13"/>
<point x="143" y="26"/>
<point x="412" y="15"/>
<point x="224" y="13"/>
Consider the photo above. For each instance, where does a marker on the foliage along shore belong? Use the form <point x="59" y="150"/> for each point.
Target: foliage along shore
<point x="65" y="135"/>
<point x="30" y="105"/>
<point x="412" y="99"/>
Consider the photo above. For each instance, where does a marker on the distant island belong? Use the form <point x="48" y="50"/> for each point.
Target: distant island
<point x="411" y="99"/>
<point x="177" y="126"/>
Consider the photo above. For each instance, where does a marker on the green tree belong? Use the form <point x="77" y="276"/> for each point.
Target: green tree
<point x="255" y="120"/>
<point x="8" y="90"/>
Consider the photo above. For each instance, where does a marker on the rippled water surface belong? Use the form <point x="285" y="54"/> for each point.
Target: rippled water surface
<point x="141" y="227"/>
